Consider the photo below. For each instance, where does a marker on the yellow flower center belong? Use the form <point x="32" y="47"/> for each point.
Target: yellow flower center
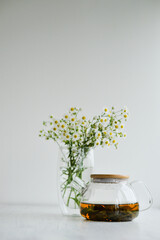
<point x="75" y="136"/>
<point x="72" y="109"/>
<point x="124" y="135"/>
<point x="57" y="125"/>
<point x="66" y="116"/>
<point x="67" y="136"/>
<point x="105" y="120"/>
<point x="116" y="126"/>
<point x="106" y="142"/>
<point x="54" y="129"/>
<point x="113" y="141"/>
<point x="109" y="115"/>
<point x="101" y="120"/>
<point x="56" y="122"/>
<point x="105" y="109"/>
<point x="110" y="134"/>
<point x="83" y="117"/>
<point x="83" y="123"/>
<point x="125" y="110"/>
<point x="121" y="126"/>
<point x="62" y="126"/>
<point x="99" y="134"/>
<point x="97" y="143"/>
<point x="105" y="132"/>
<point x="73" y="119"/>
<point x="125" y="115"/>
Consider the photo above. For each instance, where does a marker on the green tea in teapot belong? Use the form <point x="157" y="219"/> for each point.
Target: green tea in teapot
<point x="109" y="212"/>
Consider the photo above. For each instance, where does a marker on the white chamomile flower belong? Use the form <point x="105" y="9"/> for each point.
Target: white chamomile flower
<point x="106" y="110"/>
<point x="105" y="120"/>
<point x="97" y="143"/>
<point x="83" y="118"/>
<point x="113" y="141"/>
<point x="72" y="109"/>
<point x="125" y="115"/>
<point x="75" y="136"/>
<point x="122" y="126"/>
<point x="73" y="119"/>
<point x="105" y="132"/>
<point x="63" y="126"/>
<point x="66" y="117"/>
<point x="68" y="136"/>
<point x="105" y="142"/>
<point x="98" y="135"/>
<point x="124" y="135"/>
<point x="83" y="123"/>
<point x="125" y="110"/>
<point x="56" y="121"/>
<point x="76" y="123"/>
<point x="109" y="114"/>
<point x="101" y="120"/>
<point x="110" y="133"/>
<point x="116" y="125"/>
<point x="55" y="129"/>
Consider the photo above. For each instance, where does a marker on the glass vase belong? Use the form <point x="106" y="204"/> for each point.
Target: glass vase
<point x="73" y="164"/>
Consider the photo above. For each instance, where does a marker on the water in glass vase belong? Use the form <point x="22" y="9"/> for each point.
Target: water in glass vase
<point x="73" y="164"/>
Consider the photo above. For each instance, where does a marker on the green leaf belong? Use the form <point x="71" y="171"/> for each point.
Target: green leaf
<point x="76" y="200"/>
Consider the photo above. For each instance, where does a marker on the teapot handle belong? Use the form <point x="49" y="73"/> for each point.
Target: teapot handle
<point x="144" y="192"/>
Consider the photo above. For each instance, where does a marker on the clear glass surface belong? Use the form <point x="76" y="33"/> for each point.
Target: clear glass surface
<point x="109" y="192"/>
<point x="107" y="199"/>
<point x="73" y="164"/>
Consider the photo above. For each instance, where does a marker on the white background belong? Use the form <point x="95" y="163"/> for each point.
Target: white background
<point x="85" y="53"/>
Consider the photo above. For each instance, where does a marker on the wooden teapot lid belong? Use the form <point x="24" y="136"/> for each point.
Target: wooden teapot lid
<point x="116" y="176"/>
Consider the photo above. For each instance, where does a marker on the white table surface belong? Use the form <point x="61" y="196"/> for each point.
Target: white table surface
<point x="39" y="222"/>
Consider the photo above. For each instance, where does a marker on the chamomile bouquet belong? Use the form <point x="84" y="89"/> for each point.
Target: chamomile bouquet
<point x="78" y="135"/>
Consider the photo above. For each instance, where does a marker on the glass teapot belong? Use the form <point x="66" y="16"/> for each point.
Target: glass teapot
<point x="112" y="198"/>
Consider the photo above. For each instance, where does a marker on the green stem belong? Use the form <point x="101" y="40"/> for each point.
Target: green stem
<point x="72" y="169"/>
<point x="64" y="192"/>
<point x="69" y="197"/>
